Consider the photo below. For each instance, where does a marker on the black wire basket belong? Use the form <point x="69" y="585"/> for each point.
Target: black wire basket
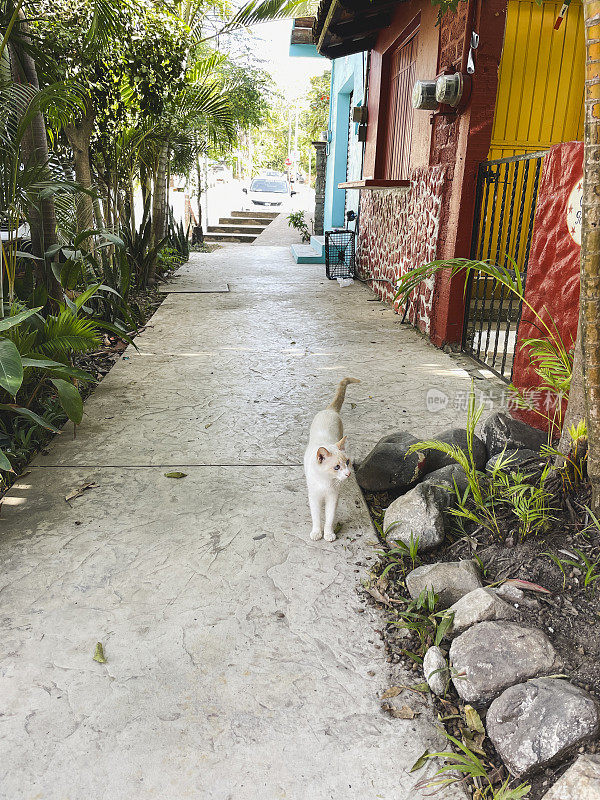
<point x="339" y="254"/>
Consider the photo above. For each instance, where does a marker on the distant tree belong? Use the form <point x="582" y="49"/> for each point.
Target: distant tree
<point x="316" y="117"/>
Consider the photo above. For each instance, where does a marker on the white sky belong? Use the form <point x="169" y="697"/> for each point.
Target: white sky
<point x="272" y="43"/>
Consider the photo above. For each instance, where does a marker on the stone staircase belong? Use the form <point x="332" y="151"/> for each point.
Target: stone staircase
<point x="241" y="226"/>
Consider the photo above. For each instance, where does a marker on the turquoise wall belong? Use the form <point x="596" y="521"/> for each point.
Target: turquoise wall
<point x="347" y="76"/>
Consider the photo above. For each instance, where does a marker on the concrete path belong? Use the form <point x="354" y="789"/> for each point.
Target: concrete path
<point x="242" y="664"/>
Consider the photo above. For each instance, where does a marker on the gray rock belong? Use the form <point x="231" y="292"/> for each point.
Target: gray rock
<point x="388" y="466"/>
<point x="448" y="579"/>
<point x="510" y="593"/>
<point x="580" y="782"/>
<point x="420" y="513"/>
<point x="435" y="669"/>
<point x="491" y="656"/>
<point x="536" y="723"/>
<point x="435" y="460"/>
<point x="480" y="605"/>
<point x="515" y="596"/>
<point x="446" y="477"/>
<point x="515" y="459"/>
<point x="503" y="431"/>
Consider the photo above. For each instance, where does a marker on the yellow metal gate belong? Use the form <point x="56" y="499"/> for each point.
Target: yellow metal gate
<point x="539" y="103"/>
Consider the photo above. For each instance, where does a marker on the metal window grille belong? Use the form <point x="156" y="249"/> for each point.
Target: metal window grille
<point x="339" y="254"/>
<point x="401" y="112"/>
<point x="505" y="201"/>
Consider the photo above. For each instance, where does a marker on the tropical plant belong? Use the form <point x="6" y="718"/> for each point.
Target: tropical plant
<point x="27" y="344"/>
<point x="422" y="618"/>
<point x="588" y="567"/>
<point x="296" y="220"/>
<point x="551" y="360"/>
<point x="502" y="487"/>
<point x="396" y="556"/>
<point x="470" y="766"/>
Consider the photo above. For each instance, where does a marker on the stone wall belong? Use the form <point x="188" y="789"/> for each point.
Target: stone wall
<point x="320" y="168"/>
<point x="398" y="231"/>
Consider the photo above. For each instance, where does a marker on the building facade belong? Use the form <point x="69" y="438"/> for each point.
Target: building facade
<point x="456" y="180"/>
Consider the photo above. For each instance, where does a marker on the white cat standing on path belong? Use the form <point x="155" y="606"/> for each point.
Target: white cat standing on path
<point x="326" y="464"/>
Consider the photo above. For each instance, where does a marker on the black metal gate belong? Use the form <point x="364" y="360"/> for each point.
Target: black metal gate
<point x="505" y="201"/>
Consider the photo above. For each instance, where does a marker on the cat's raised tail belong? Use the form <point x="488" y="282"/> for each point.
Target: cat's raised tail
<point x="338" y="400"/>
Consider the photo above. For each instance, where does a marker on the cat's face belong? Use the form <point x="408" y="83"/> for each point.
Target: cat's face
<point x="334" y="461"/>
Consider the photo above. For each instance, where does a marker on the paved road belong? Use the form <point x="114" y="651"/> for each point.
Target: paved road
<point x="242" y="664"/>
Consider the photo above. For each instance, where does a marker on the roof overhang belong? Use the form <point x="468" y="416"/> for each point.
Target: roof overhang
<point x="301" y="40"/>
<point x="344" y="27"/>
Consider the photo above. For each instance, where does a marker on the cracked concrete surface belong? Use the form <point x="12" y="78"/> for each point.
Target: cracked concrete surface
<point x="242" y="664"/>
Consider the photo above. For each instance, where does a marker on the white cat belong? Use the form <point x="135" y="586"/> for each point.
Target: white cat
<point x="326" y="464"/>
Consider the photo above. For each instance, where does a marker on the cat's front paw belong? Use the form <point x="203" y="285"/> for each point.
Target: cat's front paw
<point x="316" y="535"/>
<point x="329" y="536"/>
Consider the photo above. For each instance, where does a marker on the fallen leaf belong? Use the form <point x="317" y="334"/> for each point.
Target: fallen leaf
<point x="337" y="528"/>
<point x="260" y="536"/>
<point x="520" y="584"/>
<point x="474" y="742"/>
<point x="352" y="405"/>
<point x="473" y="720"/>
<point x="377" y="595"/>
<point x="175" y="474"/>
<point x="420" y="687"/>
<point x="78" y="492"/>
<point x="420" y="762"/>
<point x="382" y="583"/>
<point x="99" y="654"/>
<point x="450" y="707"/>
<point x="406" y="712"/>
<point x="393" y="691"/>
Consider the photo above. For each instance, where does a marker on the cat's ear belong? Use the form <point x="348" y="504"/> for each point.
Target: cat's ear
<point x="341" y="445"/>
<point x="322" y="454"/>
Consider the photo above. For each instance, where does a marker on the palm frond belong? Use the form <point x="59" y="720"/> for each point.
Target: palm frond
<point x="65" y="334"/>
<point x="257" y="11"/>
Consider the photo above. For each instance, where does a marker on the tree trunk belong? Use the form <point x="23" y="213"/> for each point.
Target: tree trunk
<point x="589" y="301"/>
<point x="200" y="234"/>
<point x="42" y="219"/>
<point x="576" y="406"/>
<point x="79" y="137"/>
<point x="159" y="204"/>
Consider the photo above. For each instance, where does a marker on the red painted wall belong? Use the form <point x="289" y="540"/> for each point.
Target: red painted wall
<point x="461" y="144"/>
<point x="552" y="284"/>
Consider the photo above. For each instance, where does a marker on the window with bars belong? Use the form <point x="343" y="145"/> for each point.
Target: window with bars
<point x="400" y="109"/>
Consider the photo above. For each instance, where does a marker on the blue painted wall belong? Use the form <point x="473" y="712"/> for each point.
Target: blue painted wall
<point x="347" y="76"/>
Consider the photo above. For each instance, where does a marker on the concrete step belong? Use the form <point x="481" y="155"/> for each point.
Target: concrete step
<point x="259" y="214"/>
<point x="246" y="238"/>
<point x="252" y="221"/>
<point x="306" y="254"/>
<point x="235" y="229"/>
<point x="318" y="243"/>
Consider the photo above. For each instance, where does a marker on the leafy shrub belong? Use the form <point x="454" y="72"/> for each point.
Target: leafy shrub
<point x="489" y="494"/>
<point x="296" y="220"/>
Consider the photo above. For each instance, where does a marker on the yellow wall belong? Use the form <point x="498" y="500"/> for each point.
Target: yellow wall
<point x="540" y="89"/>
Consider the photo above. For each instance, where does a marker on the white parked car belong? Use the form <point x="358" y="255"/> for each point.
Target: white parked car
<point x="271" y="194"/>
